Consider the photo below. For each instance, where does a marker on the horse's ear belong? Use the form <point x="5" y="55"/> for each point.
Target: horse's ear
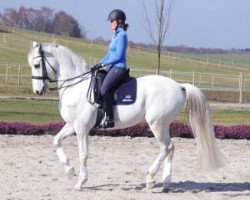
<point x="56" y="45"/>
<point x="40" y="48"/>
<point x="34" y="44"/>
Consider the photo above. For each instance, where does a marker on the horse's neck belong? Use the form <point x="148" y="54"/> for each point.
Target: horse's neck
<point x="69" y="64"/>
<point x="71" y="69"/>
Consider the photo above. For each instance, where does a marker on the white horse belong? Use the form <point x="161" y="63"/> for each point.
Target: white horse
<point x="159" y="101"/>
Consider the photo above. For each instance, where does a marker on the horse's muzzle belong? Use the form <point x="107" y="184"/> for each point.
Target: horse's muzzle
<point x="39" y="92"/>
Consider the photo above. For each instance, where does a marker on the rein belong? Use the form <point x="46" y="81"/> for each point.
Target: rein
<point x="45" y="76"/>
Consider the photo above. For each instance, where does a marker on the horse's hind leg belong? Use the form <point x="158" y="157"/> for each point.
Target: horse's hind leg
<point x="64" y="132"/>
<point x="161" y="133"/>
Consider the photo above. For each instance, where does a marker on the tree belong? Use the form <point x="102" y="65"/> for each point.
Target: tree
<point x="22" y="18"/>
<point x="66" y="25"/>
<point x="10" y="17"/>
<point x="162" y="19"/>
<point x="46" y="16"/>
<point x="32" y="17"/>
<point x="43" y="20"/>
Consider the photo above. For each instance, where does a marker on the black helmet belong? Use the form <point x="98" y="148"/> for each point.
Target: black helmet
<point x="117" y="14"/>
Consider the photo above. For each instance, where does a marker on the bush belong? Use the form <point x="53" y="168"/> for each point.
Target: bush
<point x="140" y="130"/>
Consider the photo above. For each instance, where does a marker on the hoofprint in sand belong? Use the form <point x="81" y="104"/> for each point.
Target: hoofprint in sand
<point x="29" y="169"/>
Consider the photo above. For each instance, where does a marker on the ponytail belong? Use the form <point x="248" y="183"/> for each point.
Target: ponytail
<point x="123" y="25"/>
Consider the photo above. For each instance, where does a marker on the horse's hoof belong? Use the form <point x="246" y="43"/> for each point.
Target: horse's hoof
<point x="80" y="183"/>
<point x="78" y="187"/>
<point x="150" y="185"/>
<point x="166" y="187"/>
<point x="70" y="172"/>
<point x="150" y="182"/>
<point x="165" y="190"/>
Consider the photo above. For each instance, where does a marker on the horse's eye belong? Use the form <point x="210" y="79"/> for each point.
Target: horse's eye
<point x="37" y="66"/>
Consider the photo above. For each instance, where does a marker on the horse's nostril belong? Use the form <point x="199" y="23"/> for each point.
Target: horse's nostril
<point x="39" y="93"/>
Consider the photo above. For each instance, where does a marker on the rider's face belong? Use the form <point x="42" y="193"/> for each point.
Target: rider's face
<point x="113" y="24"/>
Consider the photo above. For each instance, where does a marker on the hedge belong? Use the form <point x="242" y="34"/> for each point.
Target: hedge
<point x="140" y="130"/>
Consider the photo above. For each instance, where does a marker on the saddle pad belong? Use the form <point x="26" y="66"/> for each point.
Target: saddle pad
<point x="126" y="93"/>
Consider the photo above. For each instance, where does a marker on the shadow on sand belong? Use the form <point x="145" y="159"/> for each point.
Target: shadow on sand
<point x="181" y="187"/>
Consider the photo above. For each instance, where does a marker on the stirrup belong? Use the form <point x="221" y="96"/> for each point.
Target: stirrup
<point x="107" y="122"/>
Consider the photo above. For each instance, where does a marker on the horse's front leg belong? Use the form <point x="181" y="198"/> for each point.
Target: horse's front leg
<point x="82" y="138"/>
<point x="64" y="132"/>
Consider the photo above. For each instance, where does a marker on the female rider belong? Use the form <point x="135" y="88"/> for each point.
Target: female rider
<point x="114" y="63"/>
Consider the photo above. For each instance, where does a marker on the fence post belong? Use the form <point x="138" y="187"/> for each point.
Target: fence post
<point x="7" y="74"/>
<point x="212" y="82"/>
<point x="170" y="73"/>
<point x="19" y="75"/>
<point x="4" y="39"/>
<point x="193" y="77"/>
<point x="241" y="87"/>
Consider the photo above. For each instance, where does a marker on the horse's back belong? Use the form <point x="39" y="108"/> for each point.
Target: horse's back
<point x="156" y="85"/>
<point x="164" y="97"/>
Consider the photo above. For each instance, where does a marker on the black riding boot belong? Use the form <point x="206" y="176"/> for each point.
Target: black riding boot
<point x="108" y="118"/>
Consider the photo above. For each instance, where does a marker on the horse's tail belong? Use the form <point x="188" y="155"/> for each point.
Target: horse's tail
<point x="209" y="154"/>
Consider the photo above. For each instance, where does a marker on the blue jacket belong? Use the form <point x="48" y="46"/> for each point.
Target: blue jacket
<point x="117" y="52"/>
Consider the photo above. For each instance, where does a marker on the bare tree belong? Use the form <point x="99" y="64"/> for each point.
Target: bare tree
<point x="158" y="30"/>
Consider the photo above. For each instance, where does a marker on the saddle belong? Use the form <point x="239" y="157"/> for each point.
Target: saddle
<point x="124" y="92"/>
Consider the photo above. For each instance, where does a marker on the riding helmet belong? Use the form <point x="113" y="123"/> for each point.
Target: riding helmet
<point x="117" y="14"/>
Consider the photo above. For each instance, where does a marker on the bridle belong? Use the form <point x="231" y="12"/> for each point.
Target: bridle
<point x="44" y="77"/>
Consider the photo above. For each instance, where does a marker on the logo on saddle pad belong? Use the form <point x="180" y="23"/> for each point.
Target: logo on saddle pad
<point x="128" y="98"/>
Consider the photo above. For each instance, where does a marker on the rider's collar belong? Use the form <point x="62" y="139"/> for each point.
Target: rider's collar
<point x="117" y="31"/>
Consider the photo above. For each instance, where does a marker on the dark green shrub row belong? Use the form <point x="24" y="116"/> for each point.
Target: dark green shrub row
<point x="140" y="130"/>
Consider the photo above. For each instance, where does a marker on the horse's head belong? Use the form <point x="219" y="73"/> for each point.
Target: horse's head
<point x="41" y="68"/>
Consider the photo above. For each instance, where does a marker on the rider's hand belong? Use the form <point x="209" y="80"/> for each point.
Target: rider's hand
<point x="100" y="67"/>
<point x="96" y="66"/>
<point x="104" y="68"/>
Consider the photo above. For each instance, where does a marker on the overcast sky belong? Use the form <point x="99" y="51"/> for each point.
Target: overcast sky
<point x="195" y="23"/>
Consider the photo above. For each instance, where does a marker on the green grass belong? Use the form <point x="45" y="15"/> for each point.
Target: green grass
<point x="39" y="112"/>
<point x="19" y="41"/>
<point x="222" y="117"/>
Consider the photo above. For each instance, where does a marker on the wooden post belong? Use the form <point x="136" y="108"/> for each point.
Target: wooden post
<point x="193" y="77"/>
<point x="170" y="73"/>
<point x="241" y="87"/>
<point x="212" y="82"/>
<point x="139" y="50"/>
<point x="4" y="39"/>
<point x="19" y="75"/>
<point x="7" y="74"/>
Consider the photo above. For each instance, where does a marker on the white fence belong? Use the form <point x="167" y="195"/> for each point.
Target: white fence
<point x="17" y="75"/>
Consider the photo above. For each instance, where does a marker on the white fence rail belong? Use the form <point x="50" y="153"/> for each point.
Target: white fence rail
<point x="20" y="75"/>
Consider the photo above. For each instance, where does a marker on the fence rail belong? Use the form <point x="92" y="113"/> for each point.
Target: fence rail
<point x="20" y="75"/>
